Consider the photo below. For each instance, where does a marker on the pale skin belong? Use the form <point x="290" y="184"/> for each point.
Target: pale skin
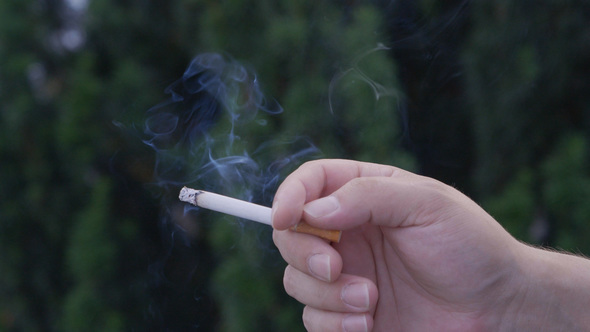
<point x="416" y="255"/>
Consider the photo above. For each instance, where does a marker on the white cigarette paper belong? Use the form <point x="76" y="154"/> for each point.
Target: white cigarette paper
<point x="247" y="210"/>
<point x="228" y="205"/>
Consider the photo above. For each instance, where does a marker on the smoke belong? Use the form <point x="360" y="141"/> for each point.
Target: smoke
<point x="355" y="73"/>
<point x="205" y="134"/>
<point x="209" y="134"/>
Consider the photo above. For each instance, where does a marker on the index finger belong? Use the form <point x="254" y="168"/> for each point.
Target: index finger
<point x="317" y="179"/>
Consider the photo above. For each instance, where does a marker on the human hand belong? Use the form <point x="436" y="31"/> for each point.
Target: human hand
<point x="415" y="254"/>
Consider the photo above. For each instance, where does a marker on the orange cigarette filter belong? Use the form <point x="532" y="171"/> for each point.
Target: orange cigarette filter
<point x="330" y="235"/>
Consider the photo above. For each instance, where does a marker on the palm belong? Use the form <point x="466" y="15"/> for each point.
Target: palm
<point x="422" y="286"/>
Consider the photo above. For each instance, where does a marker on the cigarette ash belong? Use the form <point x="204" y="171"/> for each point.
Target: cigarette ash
<point x="188" y="195"/>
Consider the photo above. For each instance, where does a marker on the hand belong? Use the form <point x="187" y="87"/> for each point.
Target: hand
<point x="415" y="254"/>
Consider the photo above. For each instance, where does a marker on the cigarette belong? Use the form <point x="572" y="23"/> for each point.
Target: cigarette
<point x="247" y="210"/>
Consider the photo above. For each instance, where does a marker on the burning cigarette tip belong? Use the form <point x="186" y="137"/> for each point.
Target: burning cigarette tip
<point x="188" y="195"/>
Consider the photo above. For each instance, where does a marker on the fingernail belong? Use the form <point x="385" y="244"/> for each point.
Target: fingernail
<point x="356" y="295"/>
<point x="355" y="323"/>
<point x="322" y="207"/>
<point x="319" y="266"/>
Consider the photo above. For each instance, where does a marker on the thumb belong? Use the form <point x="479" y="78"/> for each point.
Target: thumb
<point x="382" y="201"/>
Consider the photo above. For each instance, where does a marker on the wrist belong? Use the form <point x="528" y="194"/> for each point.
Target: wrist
<point x="554" y="293"/>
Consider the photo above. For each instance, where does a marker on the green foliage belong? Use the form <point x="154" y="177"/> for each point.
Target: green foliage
<point x="515" y="205"/>
<point x="83" y="245"/>
<point x="92" y="259"/>
<point x="527" y="66"/>
<point x="566" y="192"/>
<point x="91" y="250"/>
<point x="85" y="310"/>
<point x="248" y="294"/>
<point x="523" y="85"/>
<point x="56" y="142"/>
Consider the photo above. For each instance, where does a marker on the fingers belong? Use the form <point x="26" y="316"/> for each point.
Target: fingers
<point x="327" y="321"/>
<point x="348" y="293"/>
<point x="335" y="301"/>
<point x="377" y="200"/>
<point x="393" y="202"/>
<point x="316" y="179"/>
<point x="310" y="254"/>
<point x="401" y="199"/>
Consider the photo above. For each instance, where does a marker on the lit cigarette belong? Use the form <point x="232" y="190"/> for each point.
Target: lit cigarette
<point x="247" y="210"/>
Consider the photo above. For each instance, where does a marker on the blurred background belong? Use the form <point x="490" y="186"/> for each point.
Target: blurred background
<point x="491" y="97"/>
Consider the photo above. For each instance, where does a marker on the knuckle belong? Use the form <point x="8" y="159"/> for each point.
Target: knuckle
<point x="310" y="164"/>
<point x="434" y="186"/>
<point x="362" y="185"/>
<point x="441" y="200"/>
<point x="433" y="190"/>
